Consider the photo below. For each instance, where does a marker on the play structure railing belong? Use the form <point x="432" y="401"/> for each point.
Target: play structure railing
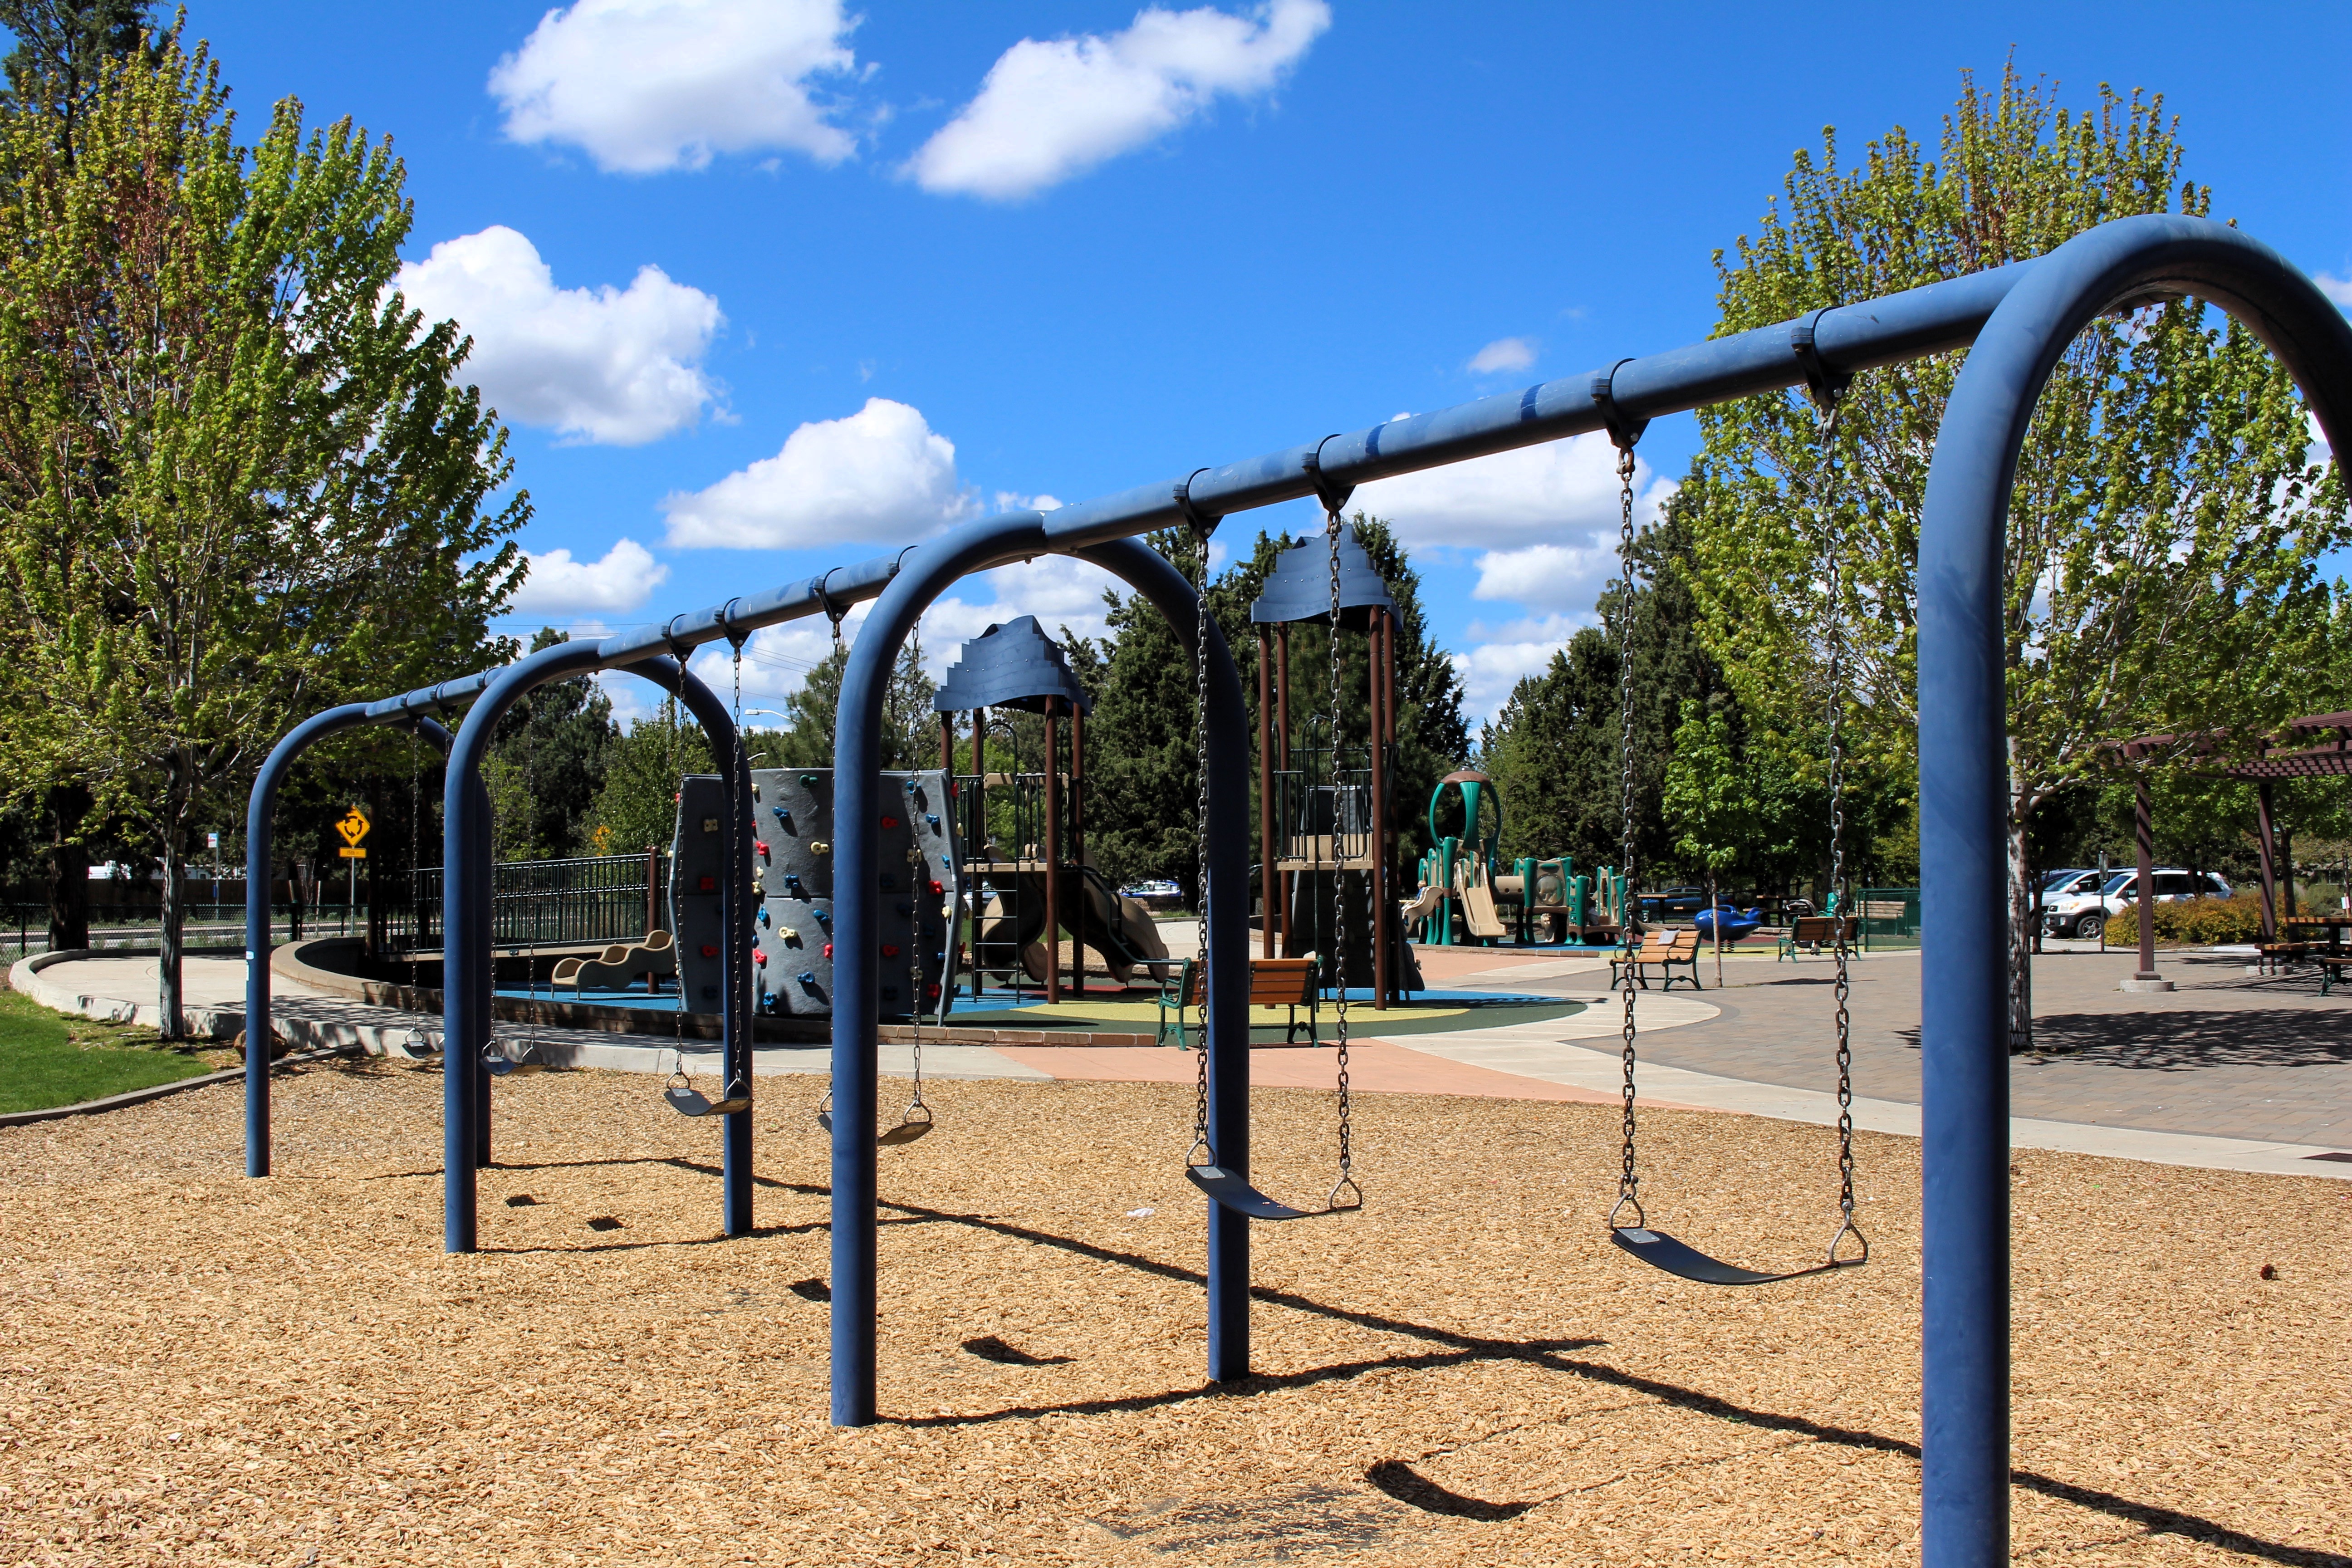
<point x="582" y="899"/>
<point x="1324" y="816"/>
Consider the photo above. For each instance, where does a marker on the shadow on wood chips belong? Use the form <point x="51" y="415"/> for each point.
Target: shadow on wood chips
<point x="1466" y="1373"/>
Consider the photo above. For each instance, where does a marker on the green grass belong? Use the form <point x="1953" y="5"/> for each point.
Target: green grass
<point x="50" y="1059"/>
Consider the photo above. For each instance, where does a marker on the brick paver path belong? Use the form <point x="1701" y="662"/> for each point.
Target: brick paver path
<point x="2227" y="1054"/>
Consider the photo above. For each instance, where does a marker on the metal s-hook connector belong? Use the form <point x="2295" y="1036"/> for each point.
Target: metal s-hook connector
<point x="1333" y="495"/>
<point x="1624" y="431"/>
<point x="1199" y="522"/>
<point x="1825" y="384"/>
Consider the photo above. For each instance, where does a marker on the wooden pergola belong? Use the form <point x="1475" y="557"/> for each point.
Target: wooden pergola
<point x="2316" y="746"/>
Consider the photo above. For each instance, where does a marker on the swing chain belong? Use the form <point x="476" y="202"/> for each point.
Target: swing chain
<point x="917" y="879"/>
<point x="739" y="985"/>
<point x="1627" y="1182"/>
<point x="1201" y="1145"/>
<point x="1331" y="527"/>
<point x="1827" y="403"/>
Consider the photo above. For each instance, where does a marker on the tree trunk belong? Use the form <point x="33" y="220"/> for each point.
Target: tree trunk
<point x="69" y="868"/>
<point x="2021" y="913"/>
<point x="174" y="911"/>
<point x="174" y="922"/>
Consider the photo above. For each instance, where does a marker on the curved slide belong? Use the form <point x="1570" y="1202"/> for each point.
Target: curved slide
<point x="1120" y="929"/>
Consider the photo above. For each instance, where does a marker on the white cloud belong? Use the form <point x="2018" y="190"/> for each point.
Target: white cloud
<point x="614" y="366"/>
<point x="643" y="86"/>
<point x="1560" y="492"/>
<point x="1050" y="111"/>
<point x="1549" y="576"/>
<point x="2336" y="289"/>
<point x="880" y="476"/>
<point x="1505" y="654"/>
<point x="1503" y="354"/>
<point x="558" y="586"/>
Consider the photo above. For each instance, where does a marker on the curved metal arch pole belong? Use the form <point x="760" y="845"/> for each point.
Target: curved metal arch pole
<point x="1963" y="784"/>
<point x="466" y="893"/>
<point x="259" y="849"/>
<point x="926" y="574"/>
<point x="1227" y="1040"/>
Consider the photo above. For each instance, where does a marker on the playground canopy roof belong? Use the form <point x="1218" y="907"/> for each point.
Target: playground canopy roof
<point x="2278" y="758"/>
<point x="1300" y="586"/>
<point x="1014" y="665"/>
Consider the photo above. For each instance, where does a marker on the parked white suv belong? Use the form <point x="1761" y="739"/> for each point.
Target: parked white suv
<point x="2077" y="909"/>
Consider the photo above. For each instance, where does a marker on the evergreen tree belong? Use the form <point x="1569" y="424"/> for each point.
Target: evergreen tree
<point x="547" y="764"/>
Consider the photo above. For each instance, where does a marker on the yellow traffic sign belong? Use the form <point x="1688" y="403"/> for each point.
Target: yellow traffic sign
<point x="349" y="853"/>
<point x="354" y="828"/>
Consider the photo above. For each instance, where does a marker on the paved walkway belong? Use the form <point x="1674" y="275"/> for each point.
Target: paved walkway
<point x="2231" y="1069"/>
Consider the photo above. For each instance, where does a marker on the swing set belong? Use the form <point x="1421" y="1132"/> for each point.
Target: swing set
<point x="2015" y="321"/>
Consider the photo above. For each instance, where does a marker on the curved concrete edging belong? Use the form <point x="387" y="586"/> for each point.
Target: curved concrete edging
<point x="208" y="1023"/>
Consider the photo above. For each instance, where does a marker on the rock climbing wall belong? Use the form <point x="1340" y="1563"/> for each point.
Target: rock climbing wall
<point x="792" y="892"/>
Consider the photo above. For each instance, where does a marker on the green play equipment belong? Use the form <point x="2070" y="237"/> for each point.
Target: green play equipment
<point x="1466" y="899"/>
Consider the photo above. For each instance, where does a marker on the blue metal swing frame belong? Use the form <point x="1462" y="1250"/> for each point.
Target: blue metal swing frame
<point x="2016" y="321"/>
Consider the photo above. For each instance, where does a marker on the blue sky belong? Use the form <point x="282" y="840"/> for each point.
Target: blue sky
<point x="766" y="286"/>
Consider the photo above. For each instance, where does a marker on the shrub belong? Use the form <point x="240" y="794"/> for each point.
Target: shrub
<point x="2194" y="922"/>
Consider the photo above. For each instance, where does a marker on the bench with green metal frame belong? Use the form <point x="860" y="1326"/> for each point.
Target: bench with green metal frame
<point x="1274" y="982"/>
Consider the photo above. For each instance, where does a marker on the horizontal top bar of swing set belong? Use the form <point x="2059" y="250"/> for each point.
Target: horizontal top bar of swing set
<point x="1847" y="338"/>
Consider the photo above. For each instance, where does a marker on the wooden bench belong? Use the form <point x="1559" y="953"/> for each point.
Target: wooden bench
<point x="1274" y="982"/>
<point x="1661" y="949"/>
<point x="1809" y="932"/>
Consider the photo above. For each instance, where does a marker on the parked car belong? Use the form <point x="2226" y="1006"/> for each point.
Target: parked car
<point x="2073" y="880"/>
<point x="2083" y="913"/>
<point x="1672" y="903"/>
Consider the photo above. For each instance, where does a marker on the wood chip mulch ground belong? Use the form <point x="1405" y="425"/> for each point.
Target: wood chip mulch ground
<point x="200" y="1369"/>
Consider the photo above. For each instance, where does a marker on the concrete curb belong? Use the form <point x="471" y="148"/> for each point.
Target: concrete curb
<point x="205" y="1023"/>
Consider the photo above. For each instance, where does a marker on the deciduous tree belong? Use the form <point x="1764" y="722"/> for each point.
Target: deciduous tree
<point x="237" y="481"/>
<point x="2167" y="527"/>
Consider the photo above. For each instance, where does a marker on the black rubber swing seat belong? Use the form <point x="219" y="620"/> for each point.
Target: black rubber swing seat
<point x="694" y="1102"/>
<point x="905" y="1133"/>
<point x="1232" y="1191"/>
<point x="1659" y="1250"/>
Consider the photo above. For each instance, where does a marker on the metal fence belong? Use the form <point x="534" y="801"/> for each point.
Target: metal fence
<point x="590" y="899"/>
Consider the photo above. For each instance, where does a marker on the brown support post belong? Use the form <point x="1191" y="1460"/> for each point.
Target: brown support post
<point x="2144" y="831"/>
<point x="1282" y="759"/>
<point x="1265" y="873"/>
<point x="947" y="744"/>
<point x="1078" y="845"/>
<point x="1376" y="738"/>
<point x="653" y="888"/>
<point x="1052" y="856"/>
<point x="2265" y="848"/>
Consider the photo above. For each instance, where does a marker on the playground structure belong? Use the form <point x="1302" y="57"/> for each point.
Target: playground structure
<point x="2018" y="319"/>
<point x="1035" y="881"/>
<point x="1327" y="829"/>
<point x="1467" y="900"/>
